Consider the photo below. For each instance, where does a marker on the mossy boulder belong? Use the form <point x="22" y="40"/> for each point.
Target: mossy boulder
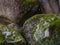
<point x="40" y="29"/>
<point x="9" y="35"/>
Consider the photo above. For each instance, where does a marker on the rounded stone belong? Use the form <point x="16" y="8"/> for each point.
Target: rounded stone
<point x="40" y="29"/>
<point x="9" y="35"/>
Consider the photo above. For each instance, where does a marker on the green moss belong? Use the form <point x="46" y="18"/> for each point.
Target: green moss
<point x="57" y="26"/>
<point x="41" y="15"/>
<point x="29" y="1"/>
<point x="17" y="36"/>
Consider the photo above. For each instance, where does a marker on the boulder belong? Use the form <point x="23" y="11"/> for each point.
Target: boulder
<point x="40" y="29"/>
<point x="10" y="35"/>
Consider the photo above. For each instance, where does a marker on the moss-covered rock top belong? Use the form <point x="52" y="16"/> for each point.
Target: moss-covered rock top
<point x="42" y="15"/>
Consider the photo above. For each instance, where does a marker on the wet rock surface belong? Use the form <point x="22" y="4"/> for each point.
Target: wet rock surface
<point x="38" y="30"/>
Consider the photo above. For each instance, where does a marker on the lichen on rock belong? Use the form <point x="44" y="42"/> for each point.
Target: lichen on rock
<point x="9" y="34"/>
<point x="37" y="29"/>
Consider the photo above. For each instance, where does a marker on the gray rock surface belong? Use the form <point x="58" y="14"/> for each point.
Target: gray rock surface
<point x="9" y="9"/>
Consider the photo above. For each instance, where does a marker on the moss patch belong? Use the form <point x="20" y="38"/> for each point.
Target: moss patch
<point x="42" y="15"/>
<point x="29" y="1"/>
<point x="10" y="35"/>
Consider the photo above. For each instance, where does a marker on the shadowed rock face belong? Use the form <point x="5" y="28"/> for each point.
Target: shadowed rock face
<point x="27" y="10"/>
<point x="37" y="29"/>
